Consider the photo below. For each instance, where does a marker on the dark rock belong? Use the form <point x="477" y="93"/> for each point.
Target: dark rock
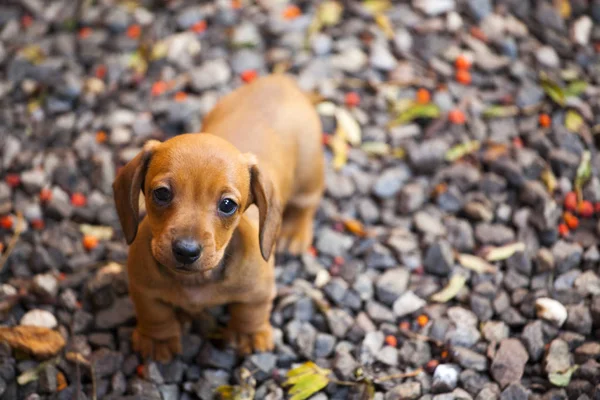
<point x="106" y="362"/>
<point x="212" y="357"/>
<point x="439" y="259"/>
<point x="119" y="313"/>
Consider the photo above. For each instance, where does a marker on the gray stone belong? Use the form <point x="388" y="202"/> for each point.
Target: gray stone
<point x="415" y="352"/>
<point x="509" y="362"/>
<point x="333" y="243"/>
<point x="406" y="390"/>
<point x="566" y="255"/>
<point x="324" y="344"/>
<point x="120" y="312"/>
<point x="558" y="357"/>
<point x="390" y="182"/>
<point x="445" y="378"/>
<point x="339" y="322"/>
<point x="407" y="303"/>
<point x="211" y="74"/>
<point x="344" y="365"/>
<point x="391" y="284"/>
<point x="470" y="359"/>
<point x="381" y="57"/>
<point x="106" y="362"/>
<point x="439" y="259"/>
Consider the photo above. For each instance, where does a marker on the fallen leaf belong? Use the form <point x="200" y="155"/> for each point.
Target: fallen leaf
<point x="330" y="13"/>
<point x="549" y="180"/>
<point x="386" y="26"/>
<point x="456" y="283"/>
<point x="564" y="7"/>
<point x="306" y="380"/>
<point x="339" y="147"/>
<point x="244" y="391"/>
<point x="476" y="264"/>
<point x="417" y="111"/>
<point x="38" y="341"/>
<point x="33" y="53"/>
<point x="584" y="172"/>
<point x="500" y="111"/>
<point x="376" y="148"/>
<point x="159" y="51"/>
<point x="573" y="121"/>
<point x="377" y="6"/>
<point x="137" y="63"/>
<point x="504" y="252"/>
<point x="575" y="88"/>
<point x="98" y="231"/>
<point x="562" y="379"/>
<point x="460" y="150"/>
<point x="33" y="374"/>
<point x="77" y="358"/>
<point x="553" y="90"/>
<point x="356" y="227"/>
<point x="351" y="128"/>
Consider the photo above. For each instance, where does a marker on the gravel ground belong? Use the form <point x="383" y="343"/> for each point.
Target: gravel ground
<point x="460" y="144"/>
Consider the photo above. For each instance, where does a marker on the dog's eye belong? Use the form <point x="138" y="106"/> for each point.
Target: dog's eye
<point x="162" y="195"/>
<point x="227" y="207"/>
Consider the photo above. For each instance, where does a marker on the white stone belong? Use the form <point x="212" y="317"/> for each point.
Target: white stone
<point x="407" y="303"/>
<point x="551" y="310"/>
<point x="582" y="28"/>
<point x="37" y="317"/>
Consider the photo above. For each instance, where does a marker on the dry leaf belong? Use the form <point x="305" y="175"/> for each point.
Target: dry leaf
<point x="476" y="264"/>
<point x="504" y="252"/>
<point x="553" y="90"/>
<point x="562" y="379"/>
<point x="460" y="150"/>
<point x="38" y="341"/>
<point x="500" y="111"/>
<point x="351" y="128"/>
<point x="377" y="6"/>
<point x="584" y="172"/>
<point x="386" y="26"/>
<point x="33" y="374"/>
<point x="339" y="147"/>
<point x="330" y="13"/>
<point x="456" y="283"/>
<point x="549" y="180"/>
<point x="573" y="121"/>
<point x="376" y="148"/>
<point x="356" y="227"/>
<point x="416" y="111"/>
<point x="98" y="231"/>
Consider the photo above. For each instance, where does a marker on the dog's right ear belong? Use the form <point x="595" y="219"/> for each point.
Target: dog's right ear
<point x="126" y="190"/>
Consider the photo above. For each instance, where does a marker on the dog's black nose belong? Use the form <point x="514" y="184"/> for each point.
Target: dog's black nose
<point x="186" y="251"/>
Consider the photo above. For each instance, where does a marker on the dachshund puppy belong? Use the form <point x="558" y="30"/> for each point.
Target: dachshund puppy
<point x="217" y="203"/>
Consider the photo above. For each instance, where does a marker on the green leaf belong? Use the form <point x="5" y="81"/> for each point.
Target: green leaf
<point x="33" y="374"/>
<point x="460" y="150"/>
<point x="504" y="252"/>
<point x="553" y="90"/>
<point x="562" y="379"/>
<point x="416" y="111"/>
<point x="573" y="121"/>
<point x="576" y="88"/>
<point x="584" y="171"/>
<point x="500" y="111"/>
<point x="306" y="380"/>
<point x="456" y="283"/>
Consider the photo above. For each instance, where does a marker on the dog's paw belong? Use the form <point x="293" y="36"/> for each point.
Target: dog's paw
<point x="295" y="239"/>
<point x="247" y="343"/>
<point x="158" y="350"/>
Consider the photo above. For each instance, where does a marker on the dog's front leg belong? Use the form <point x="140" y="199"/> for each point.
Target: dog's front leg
<point x="249" y="328"/>
<point x="158" y="331"/>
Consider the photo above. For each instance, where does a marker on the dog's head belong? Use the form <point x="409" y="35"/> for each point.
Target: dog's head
<point x="196" y="188"/>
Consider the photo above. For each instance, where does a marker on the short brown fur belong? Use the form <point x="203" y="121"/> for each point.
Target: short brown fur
<point x="263" y="150"/>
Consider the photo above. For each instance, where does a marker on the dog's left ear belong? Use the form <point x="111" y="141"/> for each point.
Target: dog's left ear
<point x="263" y="194"/>
<point x="126" y="190"/>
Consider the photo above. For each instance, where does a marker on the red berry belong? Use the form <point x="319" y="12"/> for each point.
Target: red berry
<point x="249" y="75"/>
<point x="571" y="201"/>
<point x="6" y="222"/>
<point x="423" y="96"/>
<point x="462" y="62"/>
<point x="457" y="117"/>
<point x="545" y="120"/>
<point x="586" y="209"/>
<point x="352" y="99"/>
<point x="199" y="26"/>
<point x="463" y="76"/>
<point x="13" y="180"/>
<point x="391" y="340"/>
<point x="571" y="220"/>
<point x="78" y="200"/>
<point x="563" y="230"/>
<point x="45" y="195"/>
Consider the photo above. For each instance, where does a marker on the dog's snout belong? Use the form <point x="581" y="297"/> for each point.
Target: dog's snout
<point x="186" y="251"/>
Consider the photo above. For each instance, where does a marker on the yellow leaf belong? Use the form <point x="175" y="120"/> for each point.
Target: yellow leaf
<point x="376" y="148"/>
<point x="504" y="252"/>
<point x="549" y="180"/>
<point x="306" y="380"/>
<point x="351" y="128"/>
<point x="564" y="9"/>
<point x="339" y="147"/>
<point x="573" y="121"/>
<point x="460" y="150"/>
<point x="476" y="264"/>
<point x="456" y="283"/>
<point x="98" y="231"/>
<point x="159" y="51"/>
<point x="384" y="23"/>
<point x="33" y="53"/>
<point x="377" y="6"/>
<point x="355" y="226"/>
<point x="330" y="13"/>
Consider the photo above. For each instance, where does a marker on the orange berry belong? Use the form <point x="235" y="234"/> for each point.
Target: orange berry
<point x="432" y="365"/>
<point x="571" y="220"/>
<point x="101" y="137"/>
<point x="463" y="76"/>
<point x="563" y="230"/>
<point x="391" y="340"/>
<point x="571" y="201"/>
<point x="78" y="199"/>
<point x="291" y="12"/>
<point x="6" y="222"/>
<point x="545" y="120"/>
<point x="423" y="96"/>
<point x="199" y="27"/>
<point x="85" y="32"/>
<point x="45" y="195"/>
<point x="249" y="75"/>
<point x="13" y="180"/>
<point x="352" y="99"/>
<point x="236" y="4"/>
<point x="180" y="96"/>
<point x="422" y="320"/>
<point x="134" y="31"/>
<point x="38" y="224"/>
<point x="444" y="354"/>
<point x="457" y="117"/>
<point x="404" y="325"/>
<point x="586" y="209"/>
<point x="462" y="62"/>
<point x="90" y="242"/>
<point x="159" y="88"/>
<point x="100" y="71"/>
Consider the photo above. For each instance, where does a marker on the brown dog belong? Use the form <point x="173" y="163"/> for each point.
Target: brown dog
<point x="216" y="204"/>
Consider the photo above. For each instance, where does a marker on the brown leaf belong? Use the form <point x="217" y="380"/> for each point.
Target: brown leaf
<point x="38" y="341"/>
<point x="355" y="227"/>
